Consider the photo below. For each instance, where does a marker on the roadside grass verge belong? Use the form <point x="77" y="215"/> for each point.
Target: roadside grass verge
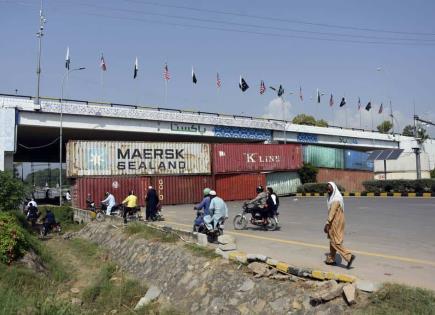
<point x="64" y="215"/>
<point x="201" y="251"/>
<point x="400" y="300"/>
<point x="143" y="231"/>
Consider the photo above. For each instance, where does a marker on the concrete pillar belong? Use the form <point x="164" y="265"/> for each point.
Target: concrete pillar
<point x="7" y="138"/>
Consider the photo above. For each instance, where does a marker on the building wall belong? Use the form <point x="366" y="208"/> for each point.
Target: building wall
<point x="349" y="179"/>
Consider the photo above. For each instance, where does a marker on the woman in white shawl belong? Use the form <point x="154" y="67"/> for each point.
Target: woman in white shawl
<point x="334" y="227"/>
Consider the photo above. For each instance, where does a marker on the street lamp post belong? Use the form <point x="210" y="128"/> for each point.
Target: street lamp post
<point x="60" y="130"/>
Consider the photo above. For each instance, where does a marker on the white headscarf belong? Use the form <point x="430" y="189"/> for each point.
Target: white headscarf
<point x="335" y="196"/>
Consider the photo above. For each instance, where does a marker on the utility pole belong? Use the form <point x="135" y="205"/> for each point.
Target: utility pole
<point x="39" y="35"/>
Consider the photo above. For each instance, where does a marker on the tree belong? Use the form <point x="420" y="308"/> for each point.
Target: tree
<point x="308" y="173"/>
<point x="309" y="120"/>
<point x="12" y="192"/>
<point x="410" y="132"/>
<point x="385" y="126"/>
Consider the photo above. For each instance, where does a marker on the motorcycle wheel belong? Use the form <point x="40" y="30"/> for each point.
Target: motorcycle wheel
<point x="42" y="232"/>
<point x="272" y="225"/>
<point x="100" y="217"/>
<point x="240" y="222"/>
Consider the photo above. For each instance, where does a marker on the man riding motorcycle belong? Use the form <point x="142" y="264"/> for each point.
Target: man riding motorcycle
<point x="217" y="210"/>
<point x="131" y="205"/>
<point x="32" y="212"/>
<point x="110" y="202"/>
<point x="49" y="220"/>
<point x="202" y="209"/>
<point x="259" y="203"/>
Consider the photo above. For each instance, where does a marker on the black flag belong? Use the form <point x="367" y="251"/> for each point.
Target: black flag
<point x="343" y="102"/>
<point x="369" y="106"/>
<point x="280" y="91"/>
<point x="194" y="80"/>
<point x="243" y="85"/>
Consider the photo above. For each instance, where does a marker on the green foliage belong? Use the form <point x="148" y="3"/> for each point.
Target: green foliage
<point x="201" y="251"/>
<point x="385" y="126"/>
<point x="308" y="173"/>
<point x="309" y="120"/>
<point x="12" y="192"/>
<point x="400" y="185"/>
<point x="400" y="300"/>
<point x="409" y="131"/>
<point x="316" y="188"/>
<point x="12" y="238"/>
<point x="63" y="214"/>
<point x="432" y="173"/>
<point x="149" y="233"/>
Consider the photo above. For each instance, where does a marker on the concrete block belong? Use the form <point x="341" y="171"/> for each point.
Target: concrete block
<point x="317" y="274"/>
<point x="202" y="239"/>
<point x="257" y="257"/>
<point x="221" y="253"/>
<point x="345" y="278"/>
<point x="365" y="285"/>
<point x="226" y="239"/>
<point x="228" y="247"/>
<point x="349" y="293"/>
<point x="152" y="294"/>
<point x="283" y="267"/>
<point x="272" y="262"/>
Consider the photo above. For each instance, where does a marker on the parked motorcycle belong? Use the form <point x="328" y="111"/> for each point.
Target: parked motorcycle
<point x="240" y="221"/>
<point x="55" y="228"/>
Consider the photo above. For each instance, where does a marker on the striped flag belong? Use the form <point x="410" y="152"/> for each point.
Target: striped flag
<point x="218" y="81"/>
<point x="136" y="69"/>
<point x="67" y="59"/>
<point x="359" y="103"/>
<point x="331" y="100"/>
<point x="103" y="63"/>
<point x="301" y="97"/>
<point x="166" y="74"/>
<point x="262" y="87"/>
<point x="381" y="109"/>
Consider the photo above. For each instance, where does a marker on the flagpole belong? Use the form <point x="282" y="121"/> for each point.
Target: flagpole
<point x="101" y="85"/>
<point x="166" y="92"/>
<point x="371" y="112"/>
<point x="360" y="119"/>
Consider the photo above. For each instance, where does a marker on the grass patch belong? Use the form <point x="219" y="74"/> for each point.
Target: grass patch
<point x="64" y="215"/>
<point x="84" y="248"/>
<point x="201" y="251"/>
<point x="400" y="300"/>
<point x="149" y="233"/>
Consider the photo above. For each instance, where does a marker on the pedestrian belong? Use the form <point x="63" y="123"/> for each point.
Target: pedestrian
<point x="151" y="201"/>
<point x="334" y="227"/>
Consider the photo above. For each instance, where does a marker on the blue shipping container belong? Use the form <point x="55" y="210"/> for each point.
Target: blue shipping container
<point x="357" y="160"/>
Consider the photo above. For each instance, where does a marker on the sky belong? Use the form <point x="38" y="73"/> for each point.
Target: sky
<point x="378" y="51"/>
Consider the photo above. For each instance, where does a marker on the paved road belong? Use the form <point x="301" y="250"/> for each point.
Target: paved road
<point x="393" y="239"/>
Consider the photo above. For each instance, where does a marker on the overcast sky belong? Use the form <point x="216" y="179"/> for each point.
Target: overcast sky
<point x="373" y="50"/>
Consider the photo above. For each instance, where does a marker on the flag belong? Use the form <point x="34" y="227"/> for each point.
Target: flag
<point x="318" y="96"/>
<point x="368" y="106"/>
<point x="218" y="80"/>
<point x="381" y="108"/>
<point x="194" y="76"/>
<point x="262" y="87"/>
<point x="166" y="75"/>
<point x="301" y="97"/>
<point x="331" y="100"/>
<point x="280" y="91"/>
<point x="67" y="59"/>
<point x="343" y="102"/>
<point x="103" y="63"/>
<point x="136" y="68"/>
<point x="359" y="103"/>
<point x="243" y="85"/>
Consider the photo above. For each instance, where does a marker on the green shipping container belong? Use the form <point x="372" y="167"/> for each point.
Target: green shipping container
<point x="324" y="156"/>
<point x="283" y="183"/>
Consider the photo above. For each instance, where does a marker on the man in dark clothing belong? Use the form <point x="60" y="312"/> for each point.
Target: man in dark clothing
<point x="49" y="220"/>
<point x="151" y="200"/>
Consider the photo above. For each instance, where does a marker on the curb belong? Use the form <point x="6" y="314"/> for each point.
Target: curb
<point x="371" y="194"/>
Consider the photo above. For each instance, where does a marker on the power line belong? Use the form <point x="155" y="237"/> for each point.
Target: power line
<point x="254" y="25"/>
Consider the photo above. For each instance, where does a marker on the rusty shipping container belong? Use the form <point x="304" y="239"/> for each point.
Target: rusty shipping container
<point x="238" y="186"/>
<point x="181" y="189"/>
<point x="113" y="158"/>
<point x="238" y="157"/>
<point x="350" y="180"/>
<point x="119" y="186"/>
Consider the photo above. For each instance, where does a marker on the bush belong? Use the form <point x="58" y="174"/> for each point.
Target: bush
<point x="400" y="185"/>
<point x="316" y="188"/>
<point x="432" y="173"/>
<point x="308" y="173"/>
<point x="13" y="242"/>
<point x="12" y="192"/>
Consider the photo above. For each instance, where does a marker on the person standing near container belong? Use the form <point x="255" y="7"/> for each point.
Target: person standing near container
<point x="151" y="202"/>
<point x="334" y="227"/>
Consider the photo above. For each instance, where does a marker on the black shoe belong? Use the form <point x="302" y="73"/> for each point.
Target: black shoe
<point x="349" y="264"/>
<point x="331" y="263"/>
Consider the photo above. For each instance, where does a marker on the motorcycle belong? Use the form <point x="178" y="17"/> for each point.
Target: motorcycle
<point x="240" y="221"/>
<point x="199" y="226"/>
<point x="101" y="212"/>
<point x="158" y="216"/>
<point x="55" y="227"/>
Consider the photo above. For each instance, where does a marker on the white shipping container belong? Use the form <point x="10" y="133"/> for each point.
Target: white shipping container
<point x="405" y="163"/>
<point x="283" y="183"/>
<point x="113" y="158"/>
<point x="402" y="175"/>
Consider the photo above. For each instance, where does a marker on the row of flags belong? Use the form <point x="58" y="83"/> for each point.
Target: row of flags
<point x="243" y="85"/>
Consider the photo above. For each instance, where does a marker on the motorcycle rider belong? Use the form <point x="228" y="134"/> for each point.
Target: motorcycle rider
<point x="259" y="203"/>
<point x="131" y="204"/>
<point x="49" y="220"/>
<point x="217" y="210"/>
<point x="275" y="201"/>
<point x="32" y="211"/>
<point x="110" y="202"/>
<point x="90" y="202"/>
<point x="203" y="205"/>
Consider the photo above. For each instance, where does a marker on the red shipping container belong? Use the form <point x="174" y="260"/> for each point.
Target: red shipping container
<point x="350" y="180"/>
<point x="116" y="185"/>
<point x="242" y="157"/>
<point x="181" y="189"/>
<point x="239" y="186"/>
